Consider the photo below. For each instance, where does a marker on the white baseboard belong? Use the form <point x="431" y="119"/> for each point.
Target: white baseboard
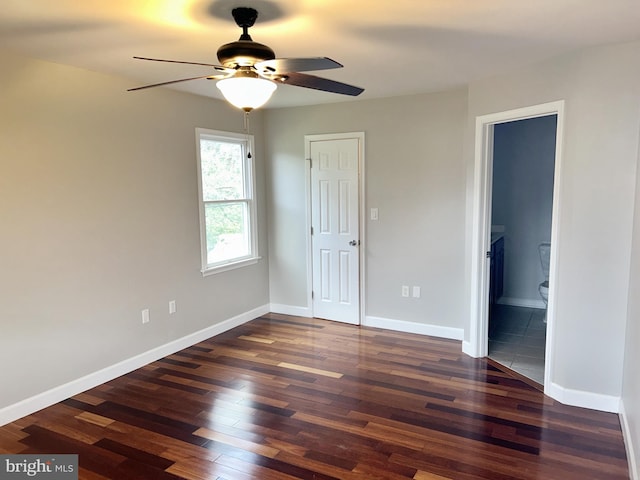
<point x="628" y="444"/>
<point x="579" y="398"/>
<point x="291" y="310"/>
<point x="567" y="396"/>
<point x="414" y="327"/>
<point x="522" y="302"/>
<point x="468" y="349"/>
<point x="45" y="399"/>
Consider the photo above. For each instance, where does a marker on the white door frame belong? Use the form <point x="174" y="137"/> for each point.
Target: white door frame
<point x="361" y="216"/>
<point x="481" y="228"/>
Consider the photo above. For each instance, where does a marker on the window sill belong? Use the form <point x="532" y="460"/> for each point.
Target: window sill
<point x="230" y="266"/>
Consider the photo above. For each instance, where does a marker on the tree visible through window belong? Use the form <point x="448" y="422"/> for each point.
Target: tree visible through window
<point x="226" y="199"/>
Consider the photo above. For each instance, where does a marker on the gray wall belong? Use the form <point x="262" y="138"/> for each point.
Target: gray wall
<point x="631" y="378"/>
<point x="596" y="201"/>
<point x="411" y="175"/>
<point x="414" y="176"/>
<point x="99" y="213"/>
<point x="523" y="163"/>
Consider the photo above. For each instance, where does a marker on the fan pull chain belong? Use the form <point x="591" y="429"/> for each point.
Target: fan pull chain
<point x="246" y="131"/>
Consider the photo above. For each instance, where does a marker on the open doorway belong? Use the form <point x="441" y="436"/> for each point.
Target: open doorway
<point x="521" y="214"/>
<point x="481" y="228"/>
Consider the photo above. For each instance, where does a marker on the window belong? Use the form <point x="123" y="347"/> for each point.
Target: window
<point x="227" y="204"/>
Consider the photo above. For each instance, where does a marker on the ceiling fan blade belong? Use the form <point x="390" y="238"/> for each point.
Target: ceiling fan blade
<point x="220" y="68"/>
<point x="319" y="83"/>
<point x="170" y="82"/>
<point x="286" y="65"/>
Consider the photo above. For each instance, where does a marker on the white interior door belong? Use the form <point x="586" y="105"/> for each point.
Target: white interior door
<point x="335" y="229"/>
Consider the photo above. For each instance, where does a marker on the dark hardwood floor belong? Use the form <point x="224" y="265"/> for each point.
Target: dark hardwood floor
<point x="294" y="398"/>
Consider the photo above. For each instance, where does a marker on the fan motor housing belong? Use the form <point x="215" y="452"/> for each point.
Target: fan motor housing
<point x="244" y="53"/>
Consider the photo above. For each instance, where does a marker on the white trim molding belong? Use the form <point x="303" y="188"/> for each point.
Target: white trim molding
<point x="414" y="327"/>
<point x="291" y="310"/>
<point x="468" y="349"/>
<point x="628" y="443"/>
<point x="477" y="346"/>
<point x="481" y="221"/>
<point x="45" y="399"/>
<point x="579" y="398"/>
<point x="522" y="302"/>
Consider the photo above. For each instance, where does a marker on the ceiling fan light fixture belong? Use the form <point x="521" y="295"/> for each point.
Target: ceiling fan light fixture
<point x="246" y="93"/>
<point x="250" y="70"/>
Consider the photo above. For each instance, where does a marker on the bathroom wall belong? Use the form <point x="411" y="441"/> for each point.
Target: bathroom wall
<point x="523" y="163"/>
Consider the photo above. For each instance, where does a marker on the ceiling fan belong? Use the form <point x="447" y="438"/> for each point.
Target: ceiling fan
<point x="249" y="70"/>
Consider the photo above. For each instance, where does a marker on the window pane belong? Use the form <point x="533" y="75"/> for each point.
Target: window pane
<point x="222" y="170"/>
<point x="227" y="232"/>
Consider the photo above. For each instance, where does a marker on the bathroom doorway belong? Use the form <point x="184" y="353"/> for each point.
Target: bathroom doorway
<point x="481" y="223"/>
<point x="521" y="217"/>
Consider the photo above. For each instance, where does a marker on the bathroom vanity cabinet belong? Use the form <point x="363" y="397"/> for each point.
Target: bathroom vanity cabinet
<point x="496" y="271"/>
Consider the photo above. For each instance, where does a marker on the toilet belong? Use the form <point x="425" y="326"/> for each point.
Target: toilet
<point x="544" y="250"/>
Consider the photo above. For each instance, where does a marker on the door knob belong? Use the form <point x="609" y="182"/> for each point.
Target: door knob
<point x="353" y="243"/>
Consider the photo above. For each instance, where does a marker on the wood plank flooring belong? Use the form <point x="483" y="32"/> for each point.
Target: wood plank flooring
<point x="294" y="398"/>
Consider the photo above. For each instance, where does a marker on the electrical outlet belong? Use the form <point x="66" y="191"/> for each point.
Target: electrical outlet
<point x="172" y="307"/>
<point x="405" y="290"/>
<point x="145" y="315"/>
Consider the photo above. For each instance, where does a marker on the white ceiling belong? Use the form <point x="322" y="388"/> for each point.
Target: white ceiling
<point x="391" y="47"/>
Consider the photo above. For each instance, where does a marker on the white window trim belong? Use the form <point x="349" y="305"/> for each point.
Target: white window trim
<point x="247" y="141"/>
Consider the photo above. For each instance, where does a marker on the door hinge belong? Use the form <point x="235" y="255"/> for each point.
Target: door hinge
<point x="311" y="230"/>
<point x="311" y="294"/>
<point x="310" y="162"/>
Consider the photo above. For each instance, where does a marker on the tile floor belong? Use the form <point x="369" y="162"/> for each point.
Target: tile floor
<point x="517" y="338"/>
